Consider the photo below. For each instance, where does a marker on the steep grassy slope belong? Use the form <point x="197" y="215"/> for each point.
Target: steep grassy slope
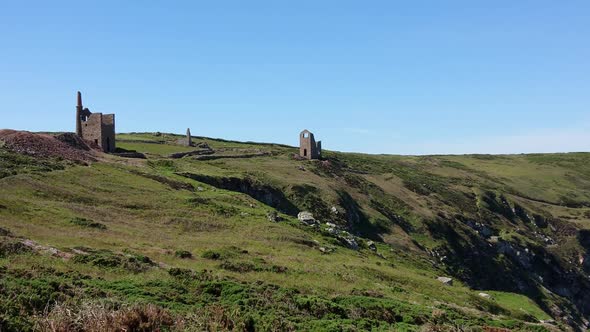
<point x="186" y="243"/>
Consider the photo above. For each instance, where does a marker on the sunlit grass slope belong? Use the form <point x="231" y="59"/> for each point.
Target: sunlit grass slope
<point x="124" y="235"/>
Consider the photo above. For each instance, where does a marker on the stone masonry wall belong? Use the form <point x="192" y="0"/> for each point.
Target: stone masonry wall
<point x="108" y="133"/>
<point x="308" y="148"/>
<point x="92" y="128"/>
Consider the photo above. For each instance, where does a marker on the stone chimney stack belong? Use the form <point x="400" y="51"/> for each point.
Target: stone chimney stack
<point x="79" y="115"/>
<point x="189" y="140"/>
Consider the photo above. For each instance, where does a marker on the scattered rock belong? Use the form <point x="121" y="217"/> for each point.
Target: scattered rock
<point x="200" y="189"/>
<point x="244" y="214"/>
<point x="307" y="218"/>
<point x="325" y="250"/>
<point x="334" y="210"/>
<point x="371" y="245"/>
<point x="445" y="281"/>
<point x="273" y="216"/>
<point x="46" y="249"/>
<point x="485" y="296"/>
<point x="480" y="228"/>
<point x="80" y="251"/>
<point x="522" y="255"/>
<point x="332" y="228"/>
<point x="349" y="242"/>
<point x="301" y="168"/>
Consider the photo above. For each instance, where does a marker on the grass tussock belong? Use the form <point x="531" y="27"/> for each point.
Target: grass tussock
<point x="82" y="222"/>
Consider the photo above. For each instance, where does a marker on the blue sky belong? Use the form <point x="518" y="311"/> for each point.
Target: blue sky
<point x="402" y="77"/>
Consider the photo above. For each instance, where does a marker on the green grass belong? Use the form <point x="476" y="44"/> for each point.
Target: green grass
<point x="519" y="303"/>
<point x="154" y="148"/>
<point x="221" y="248"/>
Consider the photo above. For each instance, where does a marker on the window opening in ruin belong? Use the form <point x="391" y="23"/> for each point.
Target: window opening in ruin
<point x="305" y="152"/>
<point x="305" y="135"/>
<point x="95" y="141"/>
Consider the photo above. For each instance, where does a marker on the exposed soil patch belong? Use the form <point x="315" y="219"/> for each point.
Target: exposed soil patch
<point x="64" y="146"/>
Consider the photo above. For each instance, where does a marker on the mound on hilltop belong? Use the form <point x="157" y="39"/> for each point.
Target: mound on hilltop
<point x="65" y="146"/>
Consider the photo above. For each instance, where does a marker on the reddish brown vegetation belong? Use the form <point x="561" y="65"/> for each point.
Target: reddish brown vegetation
<point x="64" y="146"/>
<point x="98" y="319"/>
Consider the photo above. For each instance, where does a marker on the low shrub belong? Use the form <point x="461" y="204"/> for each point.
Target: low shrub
<point x="183" y="254"/>
<point x="9" y="247"/>
<point x="5" y="232"/>
<point x="210" y="254"/>
<point x="241" y="267"/>
<point x="108" y="259"/>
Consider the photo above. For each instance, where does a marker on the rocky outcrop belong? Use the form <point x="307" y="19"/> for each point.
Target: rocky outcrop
<point x="261" y="192"/>
<point x="445" y="281"/>
<point x="307" y="218"/>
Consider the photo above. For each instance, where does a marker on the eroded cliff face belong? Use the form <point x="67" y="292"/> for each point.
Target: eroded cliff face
<point x="502" y="246"/>
<point x="490" y="237"/>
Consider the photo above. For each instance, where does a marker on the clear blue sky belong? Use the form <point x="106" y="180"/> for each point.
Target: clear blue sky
<point x="404" y="77"/>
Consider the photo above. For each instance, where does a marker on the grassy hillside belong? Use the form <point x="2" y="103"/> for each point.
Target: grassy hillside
<point x="186" y="243"/>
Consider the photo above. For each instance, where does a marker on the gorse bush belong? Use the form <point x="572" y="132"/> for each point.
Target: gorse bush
<point x="108" y="259"/>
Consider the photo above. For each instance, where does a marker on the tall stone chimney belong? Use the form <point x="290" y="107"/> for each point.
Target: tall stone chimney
<point x="79" y="115"/>
<point x="189" y="140"/>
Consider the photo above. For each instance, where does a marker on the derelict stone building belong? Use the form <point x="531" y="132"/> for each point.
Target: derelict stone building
<point x="96" y="128"/>
<point x="308" y="148"/>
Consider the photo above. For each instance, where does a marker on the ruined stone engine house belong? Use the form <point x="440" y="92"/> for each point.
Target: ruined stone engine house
<point x="96" y="128"/>
<point x="308" y="148"/>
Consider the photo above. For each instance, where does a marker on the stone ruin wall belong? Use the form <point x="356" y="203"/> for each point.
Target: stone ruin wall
<point x="92" y="129"/>
<point x="108" y="133"/>
<point x="308" y="148"/>
<point x="97" y="128"/>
